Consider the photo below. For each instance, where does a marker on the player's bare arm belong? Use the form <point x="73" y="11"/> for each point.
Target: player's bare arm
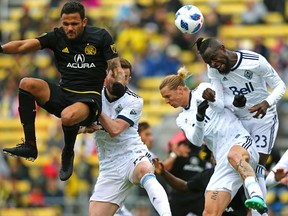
<point x="21" y="46"/>
<point x="113" y="127"/>
<point x="209" y="94"/>
<point x="260" y="109"/>
<point x="173" y="181"/>
<point x="115" y="66"/>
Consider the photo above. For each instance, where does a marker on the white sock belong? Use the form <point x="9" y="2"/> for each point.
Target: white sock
<point x="156" y="193"/>
<point x="260" y="174"/>
<point x="255" y="213"/>
<point x="252" y="187"/>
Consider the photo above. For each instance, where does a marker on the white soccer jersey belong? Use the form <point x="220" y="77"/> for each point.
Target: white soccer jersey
<point x="113" y="150"/>
<point x="221" y="129"/>
<point x="249" y="77"/>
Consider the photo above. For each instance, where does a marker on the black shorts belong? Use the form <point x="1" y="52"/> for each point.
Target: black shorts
<point x="61" y="98"/>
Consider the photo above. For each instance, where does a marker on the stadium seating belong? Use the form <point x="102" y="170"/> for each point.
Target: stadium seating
<point x="154" y="107"/>
<point x="31" y="211"/>
<point x="12" y="131"/>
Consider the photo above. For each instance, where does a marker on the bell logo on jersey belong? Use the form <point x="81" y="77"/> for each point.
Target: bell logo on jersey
<point x="242" y="91"/>
<point x="80" y="62"/>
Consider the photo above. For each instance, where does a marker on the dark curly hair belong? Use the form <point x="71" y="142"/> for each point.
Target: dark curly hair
<point x="73" y="7"/>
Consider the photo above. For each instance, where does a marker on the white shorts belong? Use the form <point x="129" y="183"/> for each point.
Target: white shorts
<point x="225" y="177"/>
<point x="264" y="131"/>
<point x="114" y="185"/>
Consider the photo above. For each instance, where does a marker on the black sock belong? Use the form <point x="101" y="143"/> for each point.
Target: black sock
<point x="70" y="134"/>
<point x="27" y="112"/>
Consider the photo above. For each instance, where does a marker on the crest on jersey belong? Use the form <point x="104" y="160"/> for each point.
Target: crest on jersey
<point x="118" y="109"/>
<point x="248" y="74"/>
<point x="113" y="48"/>
<point x="90" y="50"/>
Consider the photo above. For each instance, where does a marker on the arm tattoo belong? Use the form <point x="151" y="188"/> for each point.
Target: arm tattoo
<point x="115" y="66"/>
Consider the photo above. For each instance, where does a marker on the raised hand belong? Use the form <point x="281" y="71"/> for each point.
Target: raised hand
<point x="159" y="166"/>
<point x="280" y="173"/>
<point x="260" y="109"/>
<point x="239" y="101"/>
<point x="201" y="110"/>
<point x="209" y="94"/>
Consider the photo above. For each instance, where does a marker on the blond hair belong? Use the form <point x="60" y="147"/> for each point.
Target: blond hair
<point x="173" y="81"/>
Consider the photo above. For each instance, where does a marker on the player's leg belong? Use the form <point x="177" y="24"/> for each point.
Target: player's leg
<point x="144" y="174"/>
<point x="102" y="208"/>
<point x="111" y="189"/>
<point x="30" y="91"/>
<point x="71" y="116"/>
<point x="264" y="132"/>
<point x="216" y="202"/>
<point x="123" y="211"/>
<point x="239" y="158"/>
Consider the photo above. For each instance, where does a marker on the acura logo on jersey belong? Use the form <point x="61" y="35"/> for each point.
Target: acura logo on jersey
<point x="79" y="58"/>
<point x="242" y="91"/>
<point x="80" y="62"/>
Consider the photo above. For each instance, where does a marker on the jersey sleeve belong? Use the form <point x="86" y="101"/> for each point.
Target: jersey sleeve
<point x="273" y="80"/>
<point x="193" y="130"/>
<point x="109" y="47"/>
<point x="131" y="113"/>
<point x="47" y="40"/>
<point x="216" y="85"/>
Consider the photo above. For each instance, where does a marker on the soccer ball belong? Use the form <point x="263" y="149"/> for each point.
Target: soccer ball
<point x="189" y="19"/>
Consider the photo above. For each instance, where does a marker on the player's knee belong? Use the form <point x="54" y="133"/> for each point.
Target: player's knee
<point x="67" y="118"/>
<point x="26" y="83"/>
<point x="141" y="170"/>
<point x="238" y="153"/>
<point x="211" y="212"/>
<point x="233" y="156"/>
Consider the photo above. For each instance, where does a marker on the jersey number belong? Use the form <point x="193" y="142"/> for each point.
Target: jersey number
<point x="264" y="141"/>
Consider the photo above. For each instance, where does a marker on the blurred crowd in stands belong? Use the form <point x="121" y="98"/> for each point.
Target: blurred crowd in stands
<point x="145" y="34"/>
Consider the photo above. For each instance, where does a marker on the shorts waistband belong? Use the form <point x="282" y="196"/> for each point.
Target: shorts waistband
<point x="82" y="92"/>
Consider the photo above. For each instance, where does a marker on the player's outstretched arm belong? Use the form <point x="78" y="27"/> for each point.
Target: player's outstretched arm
<point x="275" y="177"/>
<point x="173" y="181"/>
<point x="113" y="127"/>
<point x="20" y="46"/>
<point x="115" y="65"/>
<point x="119" y="75"/>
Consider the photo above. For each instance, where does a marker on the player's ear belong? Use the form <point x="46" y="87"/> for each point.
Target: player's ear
<point x="222" y="47"/>
<point x="85" y="21"/>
